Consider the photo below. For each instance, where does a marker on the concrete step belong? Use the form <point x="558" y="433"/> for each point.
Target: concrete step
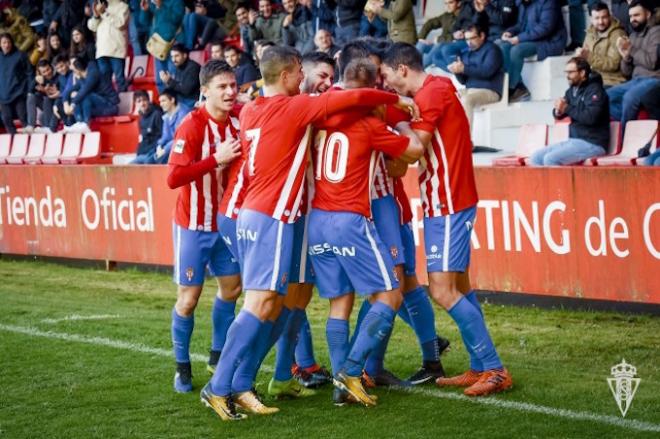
<point x="545" y="79"/>
<point x="495" y="126"/>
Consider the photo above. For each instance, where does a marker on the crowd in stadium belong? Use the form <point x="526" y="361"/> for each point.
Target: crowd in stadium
<point x="63" y="61"/>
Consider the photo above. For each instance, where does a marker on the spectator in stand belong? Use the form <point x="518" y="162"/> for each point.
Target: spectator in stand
<point x="91" y="95"/>
<point x="110" y="24"/>
<point x="17" y="26"/>
<point x="400" y="19"/>
<point x="15" y="71"/>
<point x="576" y="22"/>
<point x="297" y="27"/>
<point x="137" y="31"/>
<point x="40" y="50"/>
<point x="446" y="22"/>
<point x="371" y="25"/>
<point x="348" y="14"/>
<point x="151" y="128"/>
<point x="539" y="31"/>
<point x="71" y="13"/>
<point x="267" y="24"/>
<point x="244" y="70"/>
<point x="65" y="83"/>
<point x="600" y="48"/>
<point x="164" y="18"/>
<point x="246" y="30"/>
<point x="217" y="50"/>
<point x="639" y="60"/>
<point x="259" y="47"/>
<point x="200" y="26"/>
<point x="173" y="114"/>
<point x="586" y="103"/>
<point x="80" y="46"/>
<point x="324" y="43"/>
<point x="43" y="97"/>
<point x="323" y="14"/>
<point x="185" y="80"/>
<point x="501" y="15"/>
<point x="444" y="54"/>
<point x="480" y="69"/>
<point x="55" y="46"/>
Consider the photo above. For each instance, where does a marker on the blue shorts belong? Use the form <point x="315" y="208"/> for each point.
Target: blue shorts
<point x="194" y="251"/>
<point x="347" y="255"/>
<point x="447" y="241"/>
<point x="301" y="267"/>
<point x="409" y="249"/>
<point x="227" y="229"/>
<point x="264" y="251"/>
<point x="386" y="219"/>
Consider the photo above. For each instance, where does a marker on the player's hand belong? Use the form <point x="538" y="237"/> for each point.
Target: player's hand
<point x="159" y="151"/>
<point x="624" y="45"/>
<point x="227" y="151"/>
<point x="144" y="5"/>
<point x="287" y="20"/>
<point x="252" y="16"/>
<point x="379" y="112"/>
<point x="407" y="104"/>
<point x="164" y="76"/>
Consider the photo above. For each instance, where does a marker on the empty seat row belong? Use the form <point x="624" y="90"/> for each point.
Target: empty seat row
<point x="536" y="136"/>
<point x="49" y="149"/>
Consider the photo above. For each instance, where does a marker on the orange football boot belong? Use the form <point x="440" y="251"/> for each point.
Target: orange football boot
<point x="466" y="379"/>
<point x="491" y="381"/>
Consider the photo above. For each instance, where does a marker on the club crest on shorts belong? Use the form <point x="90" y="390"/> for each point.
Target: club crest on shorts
<point x="394" y="252"/>
<point x="284" y="277"/>
<point x="190" y="273"/>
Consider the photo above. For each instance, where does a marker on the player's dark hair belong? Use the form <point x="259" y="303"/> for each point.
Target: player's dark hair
<point x="351" y="51"/>
<point x="212" y="69"/>
<point x="361" y="72"/>
<point x="377" y="46"/>
<point x="80" y="62"/>
<point x="275" y="60"/>
<point x="169" y="93"/>
<point x="141" y="94"/>
<point x="60" y="58"/>
<point x="478" y="27"/>
<point x="8" y="36"/>
<point x="217" y="42"/>
<point x="403" y="54"/>
<point x="600" y="6"/>
<point x="178" y="47"/>
<point x="234" y="48"/>
<point x="318" y="58"/>
<point x="43" y="63"/>
<point x="581" y="64"/>
<point x="643" y="3"/>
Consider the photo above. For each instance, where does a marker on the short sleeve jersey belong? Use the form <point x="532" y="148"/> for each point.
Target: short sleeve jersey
<point x="195" y="140"/>
<point x="446" y="175"/>
<point x="344" y="159"/>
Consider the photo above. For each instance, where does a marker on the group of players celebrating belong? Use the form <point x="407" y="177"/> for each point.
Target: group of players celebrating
<point x="304" y="189"/>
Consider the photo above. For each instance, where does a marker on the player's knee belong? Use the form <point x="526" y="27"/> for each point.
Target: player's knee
<point x="230" y="291"/>
<point x="186" y="304"/>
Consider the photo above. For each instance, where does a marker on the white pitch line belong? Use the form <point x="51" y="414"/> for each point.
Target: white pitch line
<point x="490" y="401"/>
<point x="76" y="317"/>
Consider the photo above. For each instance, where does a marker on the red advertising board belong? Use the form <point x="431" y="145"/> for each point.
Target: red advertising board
<point x="573" y="232"/>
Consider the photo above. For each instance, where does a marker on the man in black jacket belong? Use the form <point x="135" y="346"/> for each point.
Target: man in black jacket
<point x="185" y="81"/>
<point x="151" y="127"/>
<point x="587" y="104"/>
<point x="349" y="15"/>
<point x="15" y="72"/>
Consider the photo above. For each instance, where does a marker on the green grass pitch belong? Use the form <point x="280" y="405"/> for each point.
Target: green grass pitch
<point x="64" y="374"/>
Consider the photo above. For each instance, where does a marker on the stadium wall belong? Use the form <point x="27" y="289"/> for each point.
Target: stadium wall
<point x="563" y="232"/>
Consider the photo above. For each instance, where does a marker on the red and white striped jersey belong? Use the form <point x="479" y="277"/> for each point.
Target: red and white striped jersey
<point x="232" y="197"/>
<point x="446" y="175"/>
<point x="405" y="211"/>
<point x="275" y="135"/>
<point x="382" y="185"/>
<point x="195" y="140"/>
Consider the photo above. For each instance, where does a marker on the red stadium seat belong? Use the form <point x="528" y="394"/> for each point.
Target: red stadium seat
<point x="139" y="66"/>
<point x="558" y="133"/>
<point x="71" y="149"/>
<point x="53" y="149"/>
<point x="614" y="147"/>
<point x="199" y="56"/>
<point x="36" y="149"/>
<point x="638" y="133"/>
<point x="125" y="102"/>
<point x="5" y="147"/>
<point x="19" y="147"/>
<point x="531" y="138"/>
<point x="91" y="147"/>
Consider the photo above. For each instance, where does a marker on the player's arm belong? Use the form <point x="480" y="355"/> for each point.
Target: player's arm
<point x="181" y="175"/>
<point x="396" y="168"/>
<point x="400" y="143"/>
<point x="314" y="108"/>
<point x="415" y="147"/>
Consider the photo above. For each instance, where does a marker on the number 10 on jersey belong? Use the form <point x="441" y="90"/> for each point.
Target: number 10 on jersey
<point x="331" y="156"/>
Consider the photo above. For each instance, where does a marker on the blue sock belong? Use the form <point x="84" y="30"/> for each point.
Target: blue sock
<point x="421" y="314"/>
<point x="245" y="373"/>
<point x="364" y="309"/>
<point x="222" y="315"/>
<point x="472" y="297"/>
<point x="375" y="361"/>
<point x="286" y="346"/>
<point x="475" y="335"/>
<point x="336" y="332"/>
<point x="305" y="347"/>
<point x="269" y="341"/>
<point x="375" y="327"/>
<point x="241" y="338"/>
<point x="182" y="328"/>
<point x="403" y="314"/>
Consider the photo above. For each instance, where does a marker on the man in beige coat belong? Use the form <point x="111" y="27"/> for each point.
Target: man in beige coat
<point x="400" y="19"/>
<point x="599" y="47"/>
<point x="110" y="23"/>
